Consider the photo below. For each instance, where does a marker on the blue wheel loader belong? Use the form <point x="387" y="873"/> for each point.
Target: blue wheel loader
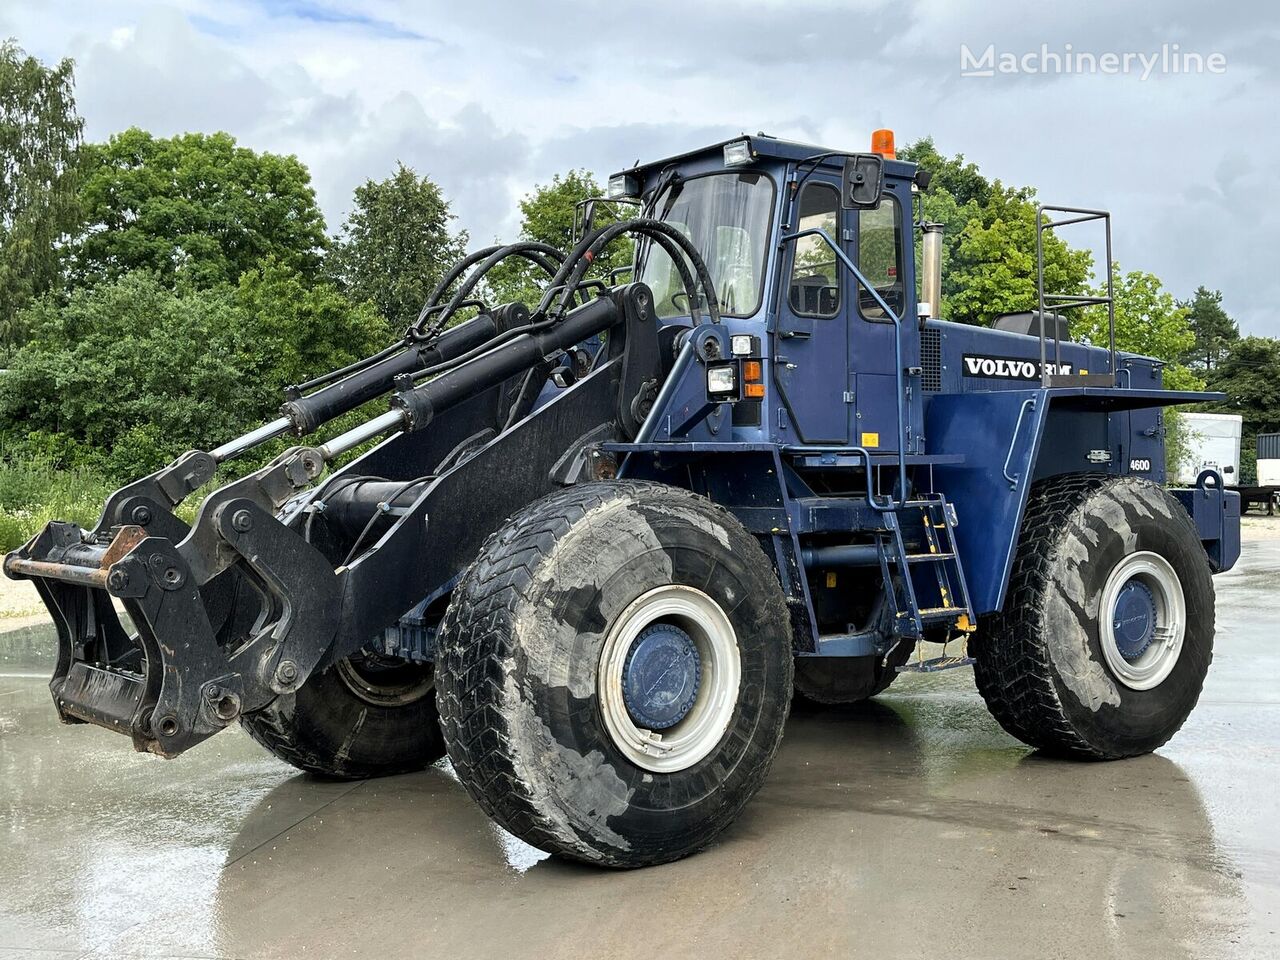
<point x="590" y="547"/>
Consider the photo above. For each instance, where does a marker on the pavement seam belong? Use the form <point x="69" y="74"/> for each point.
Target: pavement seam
<point x="306" y="816"/>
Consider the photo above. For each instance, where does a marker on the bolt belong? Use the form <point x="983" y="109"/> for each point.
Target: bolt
<point x="141" y="515"/>
<point x="213" y="692"/>
<point x="118" y="580"/>
<point x="242" y="521"/>
<point x="287" y="673"/>
<point x="173" y="576"/>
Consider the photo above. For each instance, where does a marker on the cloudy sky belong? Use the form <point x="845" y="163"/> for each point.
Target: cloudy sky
<point x="491" y="97"/>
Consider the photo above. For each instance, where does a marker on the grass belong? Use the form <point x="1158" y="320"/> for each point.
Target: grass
<point x="32" y="494"/>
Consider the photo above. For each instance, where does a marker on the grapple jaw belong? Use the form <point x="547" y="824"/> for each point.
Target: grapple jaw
<point x="168" y="633"/>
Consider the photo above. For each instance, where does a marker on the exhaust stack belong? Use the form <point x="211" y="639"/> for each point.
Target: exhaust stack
<point x="931" y="271"/>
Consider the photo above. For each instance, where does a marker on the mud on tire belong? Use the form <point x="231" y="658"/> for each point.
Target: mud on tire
<point x="1054" y="667"/>
<point x="531" y="726"/>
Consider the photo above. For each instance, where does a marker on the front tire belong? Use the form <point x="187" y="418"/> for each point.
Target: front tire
<point x="1107" y="629"/>
<point x="616" y="672"/>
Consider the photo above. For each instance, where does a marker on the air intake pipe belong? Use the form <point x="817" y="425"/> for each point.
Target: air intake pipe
<point x="931" y="271"/>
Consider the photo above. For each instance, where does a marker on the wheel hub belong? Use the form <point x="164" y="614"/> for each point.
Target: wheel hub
<point x="661" y="676"/>
<point x="1133" y="619"/>
<point x="1142" y="620"/>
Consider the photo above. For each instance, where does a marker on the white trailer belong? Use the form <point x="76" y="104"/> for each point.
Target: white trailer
<point x="1213" y="440"/>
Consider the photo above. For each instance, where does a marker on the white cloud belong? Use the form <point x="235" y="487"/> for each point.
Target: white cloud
<point x="489" y="97"/>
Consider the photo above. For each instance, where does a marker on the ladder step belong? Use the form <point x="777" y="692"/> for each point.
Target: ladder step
<point x="936" y="664"/>
<point x="933" y="614"/>
<point x="927" y="557"/>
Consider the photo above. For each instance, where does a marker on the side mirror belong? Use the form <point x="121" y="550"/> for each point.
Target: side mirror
<point x="863" y="181"/>
<point x="584" y="218"/>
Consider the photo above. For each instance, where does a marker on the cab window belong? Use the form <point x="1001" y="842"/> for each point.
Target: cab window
<point x="726" y="216"/>
<point x="880" y="258"/>
<point x="815" y="274"/>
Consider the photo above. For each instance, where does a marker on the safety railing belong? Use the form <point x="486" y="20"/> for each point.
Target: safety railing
<point x="1051" y="305"/>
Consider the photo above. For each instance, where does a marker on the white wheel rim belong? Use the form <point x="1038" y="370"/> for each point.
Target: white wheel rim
<point x="694" y="737"/>
<point x="1157" y="661"/>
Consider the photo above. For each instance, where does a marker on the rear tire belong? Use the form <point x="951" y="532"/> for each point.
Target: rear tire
<point x="1107" y="629"/>
<point x="358" y="719"/>
<point x="558" y="637"/>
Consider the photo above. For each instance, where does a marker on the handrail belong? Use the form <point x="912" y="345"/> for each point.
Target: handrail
<point x="1068" y="301"/>
<point x="897" y="360"/>
<point x="1027" y="404"/>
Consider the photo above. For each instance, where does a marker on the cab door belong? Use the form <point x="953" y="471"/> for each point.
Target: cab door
<point x="885" y="259"/>
<point x="811" y="345"/>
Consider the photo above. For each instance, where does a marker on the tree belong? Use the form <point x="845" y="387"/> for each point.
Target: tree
<point x="992" y="264"/>
<point x="291" y="328"/>
<point x="1214" y="330"/>
<point x="989" y="241"/>
<point x="1149" y="321"/>
<point x="396" y="245"/>
<point x="547" y="216"/>
<point x="1249" y="374"/>
<point x="194" y="209"/>
<point x="960" y="180"/>
<point x="130" y="373"/>
<point x="40" y="135"/>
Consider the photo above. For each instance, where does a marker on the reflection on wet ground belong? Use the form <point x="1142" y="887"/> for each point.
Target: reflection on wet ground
<point x="912" y="827"/>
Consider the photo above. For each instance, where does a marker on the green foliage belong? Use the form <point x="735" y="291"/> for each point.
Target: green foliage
<point x="1214" y="330"/>
<point x="993" y="264"/>
<point x="39" y="143"/>
<point x="547" y="216"/>
<point x="1177" y="447"/>
<point x="195" y="210"/>
<point x="34" y="492"/>
<point x="396" y="245"/>
<point x="959" y="180"/>
<point x="989" y="242"/>
<point x="1149" y="321"/>
<point x="1249" y="373"/>
<point x="291" y="328"/>
<point x="1249" y="461"/>
<point x="129" y="374"/>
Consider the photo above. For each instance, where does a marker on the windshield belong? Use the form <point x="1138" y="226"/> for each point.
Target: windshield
<point x="726" y="215"/>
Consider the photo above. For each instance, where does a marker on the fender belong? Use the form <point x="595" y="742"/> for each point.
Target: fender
<point x="1003" y="438"/>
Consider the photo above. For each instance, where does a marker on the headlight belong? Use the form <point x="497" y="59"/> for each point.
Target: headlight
<point x="621" y="185"/>
<point x="722" y="380"/>
<point x="737" y="152"/>
<point x="740" y="344"/>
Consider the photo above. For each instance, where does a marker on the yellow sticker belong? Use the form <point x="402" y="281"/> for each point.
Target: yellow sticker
<point x="831" y="579"/>
<point x="871" y="439"/>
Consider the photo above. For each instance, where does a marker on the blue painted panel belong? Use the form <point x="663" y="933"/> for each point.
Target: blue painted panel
<point x="982" y="426"/>
<point x="1216" y="514"/>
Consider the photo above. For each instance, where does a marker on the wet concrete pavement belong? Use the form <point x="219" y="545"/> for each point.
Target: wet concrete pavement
<point x="912" y="828"/>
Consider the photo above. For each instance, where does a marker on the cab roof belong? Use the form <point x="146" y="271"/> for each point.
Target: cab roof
<point x="769" y="148"/>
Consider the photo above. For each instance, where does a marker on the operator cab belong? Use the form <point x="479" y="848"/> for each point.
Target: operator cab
<point x="777" y="225"/>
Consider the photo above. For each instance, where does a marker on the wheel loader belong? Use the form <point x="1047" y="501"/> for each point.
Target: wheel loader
<point x="589" y="547"/>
